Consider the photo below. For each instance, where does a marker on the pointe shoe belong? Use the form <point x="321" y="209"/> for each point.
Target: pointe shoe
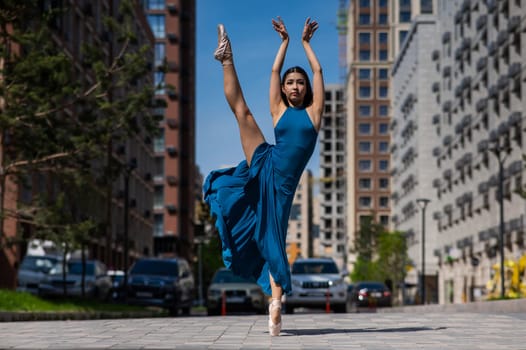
<point x="274" y="329"/>
<point x="223" y="53"/>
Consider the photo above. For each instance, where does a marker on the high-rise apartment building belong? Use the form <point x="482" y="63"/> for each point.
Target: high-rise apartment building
<point x="332" y="229"/>
<point x="173" y="24"/>
<point x="476" y="99"/>
<point x="413" y="166"/>
<point x="81" y="22"/>
<point x="300" y="226"/>
<point x="376" y="29"/>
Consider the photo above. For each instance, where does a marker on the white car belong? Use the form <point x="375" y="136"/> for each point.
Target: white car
<point x="317" y="283"/>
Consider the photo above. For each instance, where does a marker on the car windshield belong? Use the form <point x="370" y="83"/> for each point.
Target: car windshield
<point x="75" y="268"/>
<point x="307" y="268"/>
<point x="38" y="263"/>
<point x="156" y="268"/>
<point x="227" y="276"/>
<point x="371" y="286"/>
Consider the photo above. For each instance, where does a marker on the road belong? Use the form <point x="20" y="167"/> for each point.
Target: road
<point x="393" y="330"/>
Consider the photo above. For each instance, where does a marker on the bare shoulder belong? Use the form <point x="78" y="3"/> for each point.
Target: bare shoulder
<point x="277" y="113"/>
<point x="315" y="117"/>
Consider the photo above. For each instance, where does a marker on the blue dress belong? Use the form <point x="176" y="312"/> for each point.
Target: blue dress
<point x="251" y="205"/>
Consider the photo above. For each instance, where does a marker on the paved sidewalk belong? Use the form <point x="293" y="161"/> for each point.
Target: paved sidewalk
<point x="439" y="330"/>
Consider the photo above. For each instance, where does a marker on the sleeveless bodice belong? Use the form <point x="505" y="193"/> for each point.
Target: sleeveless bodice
<point x="295" y="141"/>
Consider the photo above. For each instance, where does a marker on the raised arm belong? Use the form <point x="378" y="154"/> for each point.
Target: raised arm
<point x="277" y="106"/>
<point x="318" y="89"/>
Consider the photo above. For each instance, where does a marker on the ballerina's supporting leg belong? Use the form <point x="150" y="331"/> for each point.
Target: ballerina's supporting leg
<point x="274" y="309"/>
<point x="251" y="135"/>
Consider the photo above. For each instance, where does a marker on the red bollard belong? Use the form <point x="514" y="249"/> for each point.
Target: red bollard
<point x="223" y="303"/>
<point x="327" y="302"/>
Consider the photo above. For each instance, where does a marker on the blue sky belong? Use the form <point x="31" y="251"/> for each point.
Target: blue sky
<point x="254" y="43"/>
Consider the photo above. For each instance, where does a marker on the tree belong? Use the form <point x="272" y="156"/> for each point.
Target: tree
<point x="60" y="123"/>
<point x="382" y="255"/>
<point x="392" y="258"/>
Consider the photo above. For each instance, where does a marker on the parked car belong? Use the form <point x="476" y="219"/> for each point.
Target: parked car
<point x="97" y="283"/>
<point x="316" y="281"/>
<point x="370" y="294"/>
<point x="33" y="269"/>
<point x="167" y="283"/>
<point x="240" y="294"/>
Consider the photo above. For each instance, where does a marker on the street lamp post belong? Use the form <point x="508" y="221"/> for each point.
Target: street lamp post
<point x="422" y="202"/>
<point x="497" y="152"/>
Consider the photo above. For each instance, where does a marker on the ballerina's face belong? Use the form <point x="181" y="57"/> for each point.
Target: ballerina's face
<point x="294" y="87"/>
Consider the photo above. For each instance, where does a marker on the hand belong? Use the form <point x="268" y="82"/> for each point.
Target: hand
<point x="309" y="29"/>
<point x="279" y="26"/>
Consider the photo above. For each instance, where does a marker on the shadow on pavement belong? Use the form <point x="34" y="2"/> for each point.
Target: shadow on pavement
<point x="297" y="332"/>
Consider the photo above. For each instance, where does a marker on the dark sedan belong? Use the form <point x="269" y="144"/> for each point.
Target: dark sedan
<point x="370" y="294"/>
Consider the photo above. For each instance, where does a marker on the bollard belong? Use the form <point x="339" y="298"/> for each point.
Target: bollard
<point x="223" y="303"/>
<point x="327" y="302"/>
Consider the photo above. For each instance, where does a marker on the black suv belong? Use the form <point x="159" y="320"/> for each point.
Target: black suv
<point x="166" y="283"/>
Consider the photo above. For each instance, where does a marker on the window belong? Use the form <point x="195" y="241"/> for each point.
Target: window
<point x="157" y="25"/>
<point x="426" y="6"/>
<point x="383" y="55"/>
<point x="383" y="202"/>
<point x="383" y="128"/>
<point x="328" y="95"/>
<point x="154" y="4"/>
<point x="365" y="3"/>
<point x="364" y="147"/>
<point x="364" y="110"/>
<point x="158" y="142"/>
<point x="160" y="53"/>
<point x="364" y="74"/>
<point x="365" y="165"/>
<point x="383" y="73"/>
<point x="158" y="198"/>
<point x="383" y="92"/>
<point x="158" y="226"/>
<point x="383" y="19"/>
<point x="364" y="129"/>
<point x="364" y="38"/>
<point x="159" y="83"/>
<point x="364" y="183"/>
<point x="365" y="55"/>
<point x="383" y="110"/>
<point x="401" y="37"/>
<point x="365" y="91"/>
<point x="384" y="220"/>
<point x="383" y="183"/>
<point x="364" y="18"/>
<point x="405" y="16"/>
<point x="382" y="3"/>
<point x="383" y="37"/>
<point x="383" y="165"/>
<point x="365" y="202"/>
<point x="383" y="147"/>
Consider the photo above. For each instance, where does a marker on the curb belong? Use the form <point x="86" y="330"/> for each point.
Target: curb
<point x="493" y="306"/>
<point x="6" y="316"/>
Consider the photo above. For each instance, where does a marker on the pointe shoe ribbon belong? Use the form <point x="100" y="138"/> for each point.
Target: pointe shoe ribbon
<point x="274" y="329"/>
<point x="223" y="53"/>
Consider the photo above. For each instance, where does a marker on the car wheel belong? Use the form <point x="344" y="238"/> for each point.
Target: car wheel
<point x="173" y="311"/>
<point x="340" y="309"/>
<point x="212" y="312"/>
<point x="186" y="310"/>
